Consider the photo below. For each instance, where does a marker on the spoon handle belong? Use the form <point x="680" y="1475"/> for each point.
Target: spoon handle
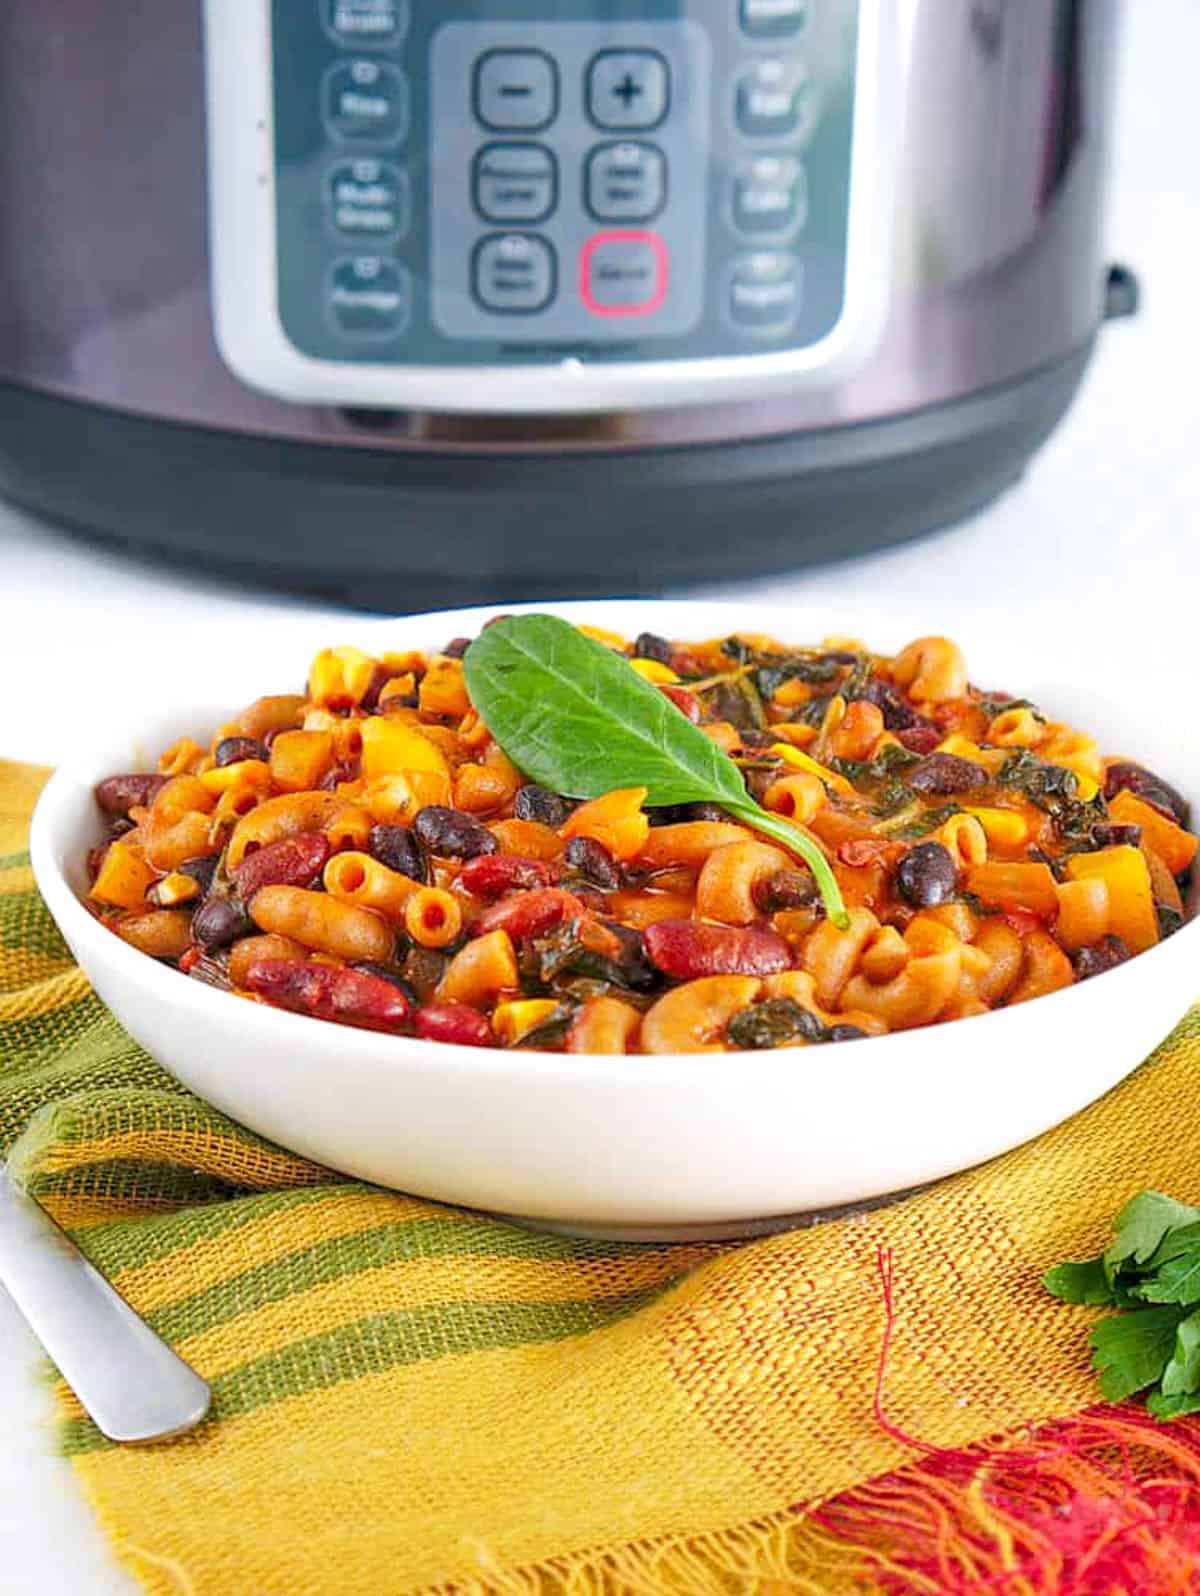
<point x="130" y="1382"/>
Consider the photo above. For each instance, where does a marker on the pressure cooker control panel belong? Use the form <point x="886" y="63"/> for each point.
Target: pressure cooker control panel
<point x="492" y="184"/>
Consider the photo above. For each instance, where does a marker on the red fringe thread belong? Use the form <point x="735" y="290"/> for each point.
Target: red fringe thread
<point x="1104" y="1503"/>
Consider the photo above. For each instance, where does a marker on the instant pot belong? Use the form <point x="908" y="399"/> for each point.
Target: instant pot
<point x="405" y="299"/>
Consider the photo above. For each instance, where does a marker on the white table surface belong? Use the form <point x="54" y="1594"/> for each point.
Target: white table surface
<point x="1102" y="537"/>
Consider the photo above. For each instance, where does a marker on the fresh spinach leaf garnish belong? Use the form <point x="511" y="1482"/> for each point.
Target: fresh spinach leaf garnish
<point x="574" y="717"/>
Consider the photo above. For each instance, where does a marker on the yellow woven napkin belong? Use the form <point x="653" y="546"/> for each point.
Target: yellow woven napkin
<point x="409" y="1398"/>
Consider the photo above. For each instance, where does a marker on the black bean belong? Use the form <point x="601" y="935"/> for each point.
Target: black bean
<point x="787" y="889"/>
<point x="399" y="849"/>
<point x="926" y="875"/>
<point x="202" y="870"/>
<point x="683" y="814"/>
<point x="773" y="1023"/>
<point x="843" y="1033"/>
<point x="594" y="862"/>
<point x="945" y="773"/>
<point x="1142" y="783"/>
<point x="386" y="972"/>
<point x="1110" y="835"/>
<point x="452" y="834"/>
<point x="540" y="804"/>
<point x="648" y="645"/>
<point x="1099" y="956"/>
<point x="898" y="713"/>
<point x="423" y="969"/>
<point x="232" y="750"/>
<point x="457" y="647"/>
<point x="219" y="921"/>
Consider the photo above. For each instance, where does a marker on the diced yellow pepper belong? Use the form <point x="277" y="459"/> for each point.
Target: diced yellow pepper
<point x="1124" y="871"/>
<point x="797" y="758"/>
<point x="599" y="635"/>
<point x="1173" y="845"/>
<point x="396" y="798"/>
<point x="124" y="878"/>
<point x="444" y="688"/>
<point x="391" y="746"/>
<point x="1006" y="828"/>
<point x="653" y="670"/>
<point x="340" y="677"/>
<point x="253" y="774"/>
<point x="512" y="1021"/>
<point x="1087" y="788"/>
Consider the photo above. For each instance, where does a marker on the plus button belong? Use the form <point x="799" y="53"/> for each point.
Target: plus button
<point x="628" y="90"/>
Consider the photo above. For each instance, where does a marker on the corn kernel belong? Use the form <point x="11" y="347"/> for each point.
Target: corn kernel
<point x="1004" y="827"/>
<point x="512" y="1021"/>
<point x="174" y="889"/>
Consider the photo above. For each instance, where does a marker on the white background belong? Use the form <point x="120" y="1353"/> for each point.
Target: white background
<point x="1101" y="542"/>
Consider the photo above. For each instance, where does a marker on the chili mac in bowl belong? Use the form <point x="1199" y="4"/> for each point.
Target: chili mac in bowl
<point x="563" y="920"/>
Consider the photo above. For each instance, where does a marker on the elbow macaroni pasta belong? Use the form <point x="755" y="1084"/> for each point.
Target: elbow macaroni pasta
<point x="987" y="855"/>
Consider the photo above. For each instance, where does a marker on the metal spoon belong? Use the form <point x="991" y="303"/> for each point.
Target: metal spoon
<point x="126" y="1377"/>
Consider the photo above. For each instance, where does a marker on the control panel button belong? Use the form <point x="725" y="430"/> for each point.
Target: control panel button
<point x="370" y="297"/>
<point x="515" y="182"/>
<point x="626" y="182"/>
<point x="770" y="196"/>
<point x="774" y="19"/>
<point x="628" y="89"/>
<point x="623" y="274"/>
<point x="770" y="101"/>
<point x="514" y="274"/>
<point x="764" y="293"/>
<point x="366" y="100"/>
<point x="516" y="90"/>
<point x="365" y="22"/>
<point x="368" y="198"/>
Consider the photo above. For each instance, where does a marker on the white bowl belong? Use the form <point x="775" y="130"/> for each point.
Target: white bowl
<point x="642" y="1146"/>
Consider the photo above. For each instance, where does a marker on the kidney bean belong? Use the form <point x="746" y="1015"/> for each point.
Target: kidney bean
<point x="291" y="862"/>
<point x="1109" y="835"/>
<point x="528" y="914"/>
<point x="333" y="779"/>
<point x="926" y="875"/>
<point x="453" y="1022"/>
<point x="202" y="870"/>
<point x="594" y="862"/>
<point x="117" y="795"/>
<point x="647" y="645"/>
<point x="328" y="993"/>
<point x="400" y="849"/>
<point x="920" y="739"/>
<point x="1098" y="957"/>
<point x="1144" y="784"/>
<point x="457" y="647"/>
<point x="786" y="889"/>
<point x="489" y="875"/>
<point x="220" y="921"/>
<point x="945" y="773"/>
<point x="686" y="702"/>
<point x="453" y="834"/>
<point x="687" y="949"/>
<point x="232" y="750"/>
<point x="539" y="803"/>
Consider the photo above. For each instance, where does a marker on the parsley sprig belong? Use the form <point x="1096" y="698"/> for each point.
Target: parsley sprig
<point x="1151" y="1272"/>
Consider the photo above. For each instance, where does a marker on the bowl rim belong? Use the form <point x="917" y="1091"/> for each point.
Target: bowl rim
<point x="75" y="779"/>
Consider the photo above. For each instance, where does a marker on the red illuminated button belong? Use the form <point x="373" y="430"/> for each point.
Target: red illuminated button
<point x="623" y="273"/>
